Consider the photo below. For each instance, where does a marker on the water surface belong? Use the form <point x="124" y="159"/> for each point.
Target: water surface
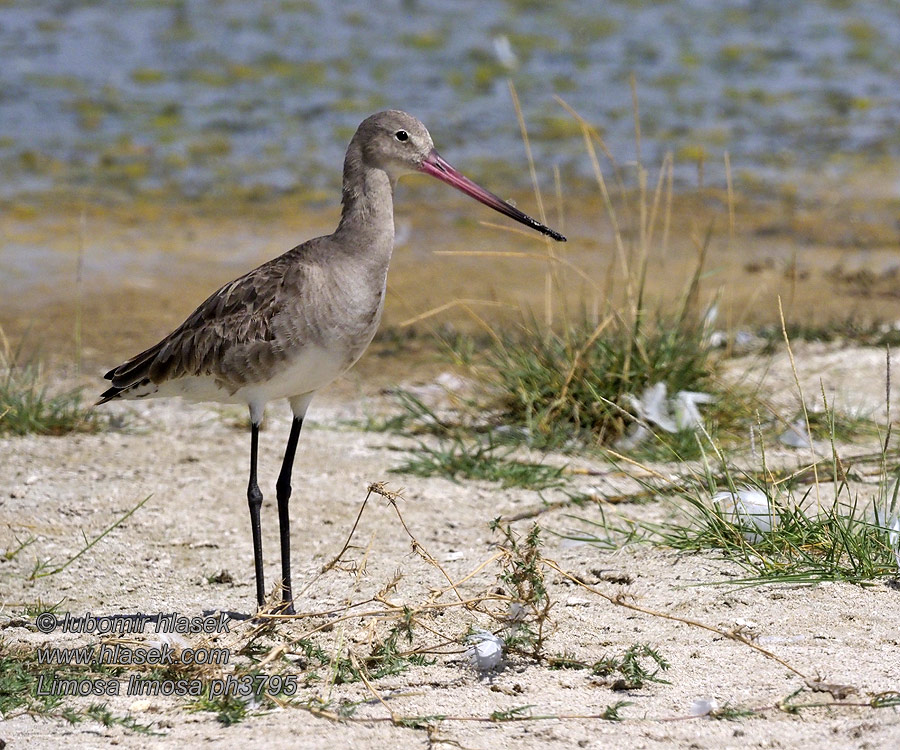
<point x="204" y="96"/>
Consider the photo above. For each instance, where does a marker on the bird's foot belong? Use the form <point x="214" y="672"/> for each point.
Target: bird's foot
<point x="286" y="608"/>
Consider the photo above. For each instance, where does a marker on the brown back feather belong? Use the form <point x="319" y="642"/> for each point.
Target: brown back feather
<point x="238" y="315"/>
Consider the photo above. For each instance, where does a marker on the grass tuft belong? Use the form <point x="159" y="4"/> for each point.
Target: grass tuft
<point x="478" y="458"/>
<point x="838" y="542"/>
<point x="461" y="448"/>
<point x="569" y="380"/>
<point x="27" y="405"/>
<point x="805" y="527"/>
<point x="573" y="383"/>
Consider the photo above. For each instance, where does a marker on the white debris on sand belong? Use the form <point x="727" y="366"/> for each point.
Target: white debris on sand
<point x="485" y="650"/>
<point x="703" y="706"/>
<point x="656" y="409"/>
<point x="747" y="506"/>
<point x="796" y="436"/>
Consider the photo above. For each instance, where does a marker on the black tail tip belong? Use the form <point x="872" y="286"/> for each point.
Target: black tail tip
<point x="108" y="395"/>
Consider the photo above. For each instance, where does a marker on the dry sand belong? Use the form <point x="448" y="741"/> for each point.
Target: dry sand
<point x="192" y="460"/>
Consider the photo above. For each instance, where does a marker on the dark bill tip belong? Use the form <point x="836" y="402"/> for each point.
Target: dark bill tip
<point x="436" y="166"/>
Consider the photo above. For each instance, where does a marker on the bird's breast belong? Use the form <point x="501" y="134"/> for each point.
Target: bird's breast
<point x="355" y="302"/>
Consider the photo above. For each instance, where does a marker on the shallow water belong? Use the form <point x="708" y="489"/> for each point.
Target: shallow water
<point x="225" y="96"/>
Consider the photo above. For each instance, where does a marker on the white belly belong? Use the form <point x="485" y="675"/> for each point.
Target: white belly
<point x="312" y="369"/>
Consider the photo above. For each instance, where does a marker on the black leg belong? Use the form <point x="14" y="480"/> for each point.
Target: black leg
<point x="254" y="499"/>
<point x="283" y="490"/>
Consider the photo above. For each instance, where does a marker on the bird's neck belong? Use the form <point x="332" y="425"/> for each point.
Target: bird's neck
<point x="367" y="218"/>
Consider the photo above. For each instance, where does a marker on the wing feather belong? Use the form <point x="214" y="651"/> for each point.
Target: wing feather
<point x="230" y="336"/>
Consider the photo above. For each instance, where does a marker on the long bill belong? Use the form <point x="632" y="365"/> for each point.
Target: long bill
<point x="436" y="166"/>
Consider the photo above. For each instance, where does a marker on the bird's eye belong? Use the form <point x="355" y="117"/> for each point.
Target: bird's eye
<point x="401" y="135"/>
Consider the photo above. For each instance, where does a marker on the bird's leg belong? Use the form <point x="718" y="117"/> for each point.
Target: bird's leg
<point x="254" y="499"/>
<point x="283" y="490"/>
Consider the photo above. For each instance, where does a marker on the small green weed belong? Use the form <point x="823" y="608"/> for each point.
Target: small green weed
<point x="101" y="713"/>
<point x="229" y="709"/>
<point x="385" y="658"/>
<point x="19" y="675"/>
<point x="780" y="531"/>
<point x="11" y="552"/>
<point x="27" y="405"/>
<point x="517" y="713"/>
<point x="478" y="457"/>
<point x="638" y="665"/>
<point x="44" y="568"/>
<point x="612" y="712"/>
<point x="25" y="684"/>
<point x="522" y="575"/>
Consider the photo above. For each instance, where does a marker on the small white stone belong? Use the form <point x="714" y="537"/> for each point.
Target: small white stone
<point x="894" y="537"/>
<point x="796" y="436"/>
<point x="703" y="706"/>
<point x="485" y="651"/>
<point x="747" y="506"/>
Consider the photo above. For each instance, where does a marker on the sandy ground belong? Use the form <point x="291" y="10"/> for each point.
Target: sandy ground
<point x="191" y="460"/>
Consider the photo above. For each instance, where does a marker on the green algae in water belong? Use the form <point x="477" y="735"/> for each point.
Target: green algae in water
<point x="147" y="75"/>
<point x="292" y="70"/>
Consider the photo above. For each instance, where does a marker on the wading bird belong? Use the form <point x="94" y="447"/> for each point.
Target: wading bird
<point x="293" y="325"/>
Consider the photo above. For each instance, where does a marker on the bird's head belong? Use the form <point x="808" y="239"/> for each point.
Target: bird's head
<point x="399" y="144"/>
<point x="394" y="141"/>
